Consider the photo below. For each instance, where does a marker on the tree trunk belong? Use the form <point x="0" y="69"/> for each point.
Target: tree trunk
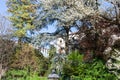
<point x="67" y="39"/>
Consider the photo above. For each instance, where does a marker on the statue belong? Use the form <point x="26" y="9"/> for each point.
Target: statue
<point x="60" y="46"/>
<point x="60" y="55"/>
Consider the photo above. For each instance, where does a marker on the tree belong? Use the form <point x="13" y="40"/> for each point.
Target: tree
<point x="116" y="4"/>
<point x="22" y="16"/>
<point x="113" y="48"/>
<point x="7" y="48"/>
<point x="66" y="12"/>
<point x="103" y="26"/>
<point x="40" y="41"/>
<point x="30" y="58"/>
<point x="5" y="27"/>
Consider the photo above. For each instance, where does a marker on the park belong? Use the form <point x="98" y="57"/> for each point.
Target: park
<point x="60" y="40"/>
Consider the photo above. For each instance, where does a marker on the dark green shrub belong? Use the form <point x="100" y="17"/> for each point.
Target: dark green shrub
<point x="79" y="70"/>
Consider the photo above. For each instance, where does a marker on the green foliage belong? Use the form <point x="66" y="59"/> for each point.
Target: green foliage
<point x="45" y="64"/>
<point x="21" y="75"/>
<point x="12" y="74"/>
<point x="43" y="78"/>
<point x="22" y="15"/>
<point x="30" y="59"/>
<point x="27" y="64"/>
<point x="74" y="59"/>
<point x="79" y="70"/>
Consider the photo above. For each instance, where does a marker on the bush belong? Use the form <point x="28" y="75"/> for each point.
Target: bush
<point x="79" y="70"/>
<point x="14" y="74"/>
<point x="29" y="59"/>
<point x="25" y="57"/>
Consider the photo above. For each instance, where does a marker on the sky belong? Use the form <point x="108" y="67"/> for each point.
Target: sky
<point x="3" y="8"/>
<point x="104" y="5"/>
<point x="50" y="28"/>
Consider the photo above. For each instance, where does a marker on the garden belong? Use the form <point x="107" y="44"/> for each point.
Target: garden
<point x="60" y="39"/>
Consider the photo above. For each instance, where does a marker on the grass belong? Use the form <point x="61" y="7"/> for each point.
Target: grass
<point x="43" y="78"/>
<point x="38" y="78"/>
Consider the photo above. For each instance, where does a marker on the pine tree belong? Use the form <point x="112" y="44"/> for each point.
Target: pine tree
<point x="66" y="12"/>
<point x="22" y="16"/>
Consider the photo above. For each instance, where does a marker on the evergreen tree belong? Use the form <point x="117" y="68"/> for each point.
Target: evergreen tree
<point x="22" y="16"/>
<point x="66" y="12"/>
